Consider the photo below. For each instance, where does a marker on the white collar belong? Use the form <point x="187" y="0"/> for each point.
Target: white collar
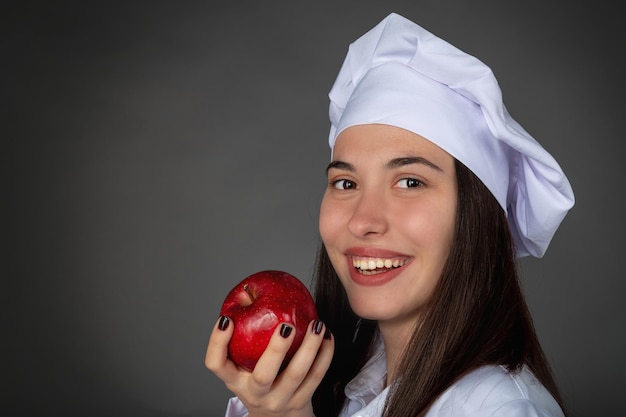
<point x="370" y="381"/>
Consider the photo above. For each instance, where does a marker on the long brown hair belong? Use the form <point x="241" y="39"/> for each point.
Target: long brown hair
<point x="477" y="316"/>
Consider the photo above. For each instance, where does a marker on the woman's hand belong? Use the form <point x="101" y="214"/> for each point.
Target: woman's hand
<point x="264" y="391"/>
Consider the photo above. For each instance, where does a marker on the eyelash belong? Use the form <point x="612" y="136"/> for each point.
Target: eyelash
<point x="337" y="184"/>
<point x="416" y="183"/>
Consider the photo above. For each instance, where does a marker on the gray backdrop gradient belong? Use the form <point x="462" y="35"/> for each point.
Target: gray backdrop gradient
<point x="156" y="153"/>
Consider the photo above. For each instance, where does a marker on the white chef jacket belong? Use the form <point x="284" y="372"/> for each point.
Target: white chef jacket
<point x="489" y="391"/>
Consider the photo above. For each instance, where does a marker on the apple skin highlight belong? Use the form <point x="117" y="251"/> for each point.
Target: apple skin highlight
<point x="260" y="303"/>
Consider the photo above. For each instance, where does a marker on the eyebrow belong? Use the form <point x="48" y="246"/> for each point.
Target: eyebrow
<point x="394" y="163"/>
<point x="340" y="165"/>
<point x="408" y="160"/>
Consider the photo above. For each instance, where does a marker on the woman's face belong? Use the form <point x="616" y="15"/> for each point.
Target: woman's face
<point x="387" y="219"/>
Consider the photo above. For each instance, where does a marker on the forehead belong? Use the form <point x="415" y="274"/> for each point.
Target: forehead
<point x="379" y="141"/>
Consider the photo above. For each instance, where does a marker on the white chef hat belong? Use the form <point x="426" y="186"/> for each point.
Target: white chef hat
<point x="399" y="74"/>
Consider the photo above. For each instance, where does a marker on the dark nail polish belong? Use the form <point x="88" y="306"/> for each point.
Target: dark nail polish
<point x="285" y="330"/>
<point x="318" y="326"/>
<point x="223" y="323"/>
<point x="327" y="334"/>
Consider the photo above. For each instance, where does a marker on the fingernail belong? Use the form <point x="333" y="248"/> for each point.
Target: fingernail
<point x="285" y="330"/>
<point x="318" y="326"/>
<point x="223" y="323"/>
<point x="327" y="334"/>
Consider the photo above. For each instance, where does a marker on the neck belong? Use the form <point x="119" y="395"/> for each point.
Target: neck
<point x="395" y="336"/>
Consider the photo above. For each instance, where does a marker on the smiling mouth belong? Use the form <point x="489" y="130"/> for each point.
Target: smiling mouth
<point x="371" y="266"/>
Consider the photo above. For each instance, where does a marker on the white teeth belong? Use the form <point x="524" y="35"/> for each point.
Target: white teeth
<point x="371" y="264"/>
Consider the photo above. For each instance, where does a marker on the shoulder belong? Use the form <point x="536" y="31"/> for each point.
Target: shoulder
<point x="492" y="391"/>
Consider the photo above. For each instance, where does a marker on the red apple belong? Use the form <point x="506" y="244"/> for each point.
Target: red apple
<point x="257" y="305"/>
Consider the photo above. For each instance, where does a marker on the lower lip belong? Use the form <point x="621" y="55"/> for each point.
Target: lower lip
<point x="374" y="280"/>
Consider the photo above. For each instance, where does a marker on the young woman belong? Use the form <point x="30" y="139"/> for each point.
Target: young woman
<point x="433" y="192"/>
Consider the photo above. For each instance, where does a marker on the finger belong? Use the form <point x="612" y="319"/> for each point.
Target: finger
<point x="310" y="363"/>
<point x="318" y="368"/>
<point x="216" y="358"/>
<point x="272" y="358"/>
<point x="299" y="365"/>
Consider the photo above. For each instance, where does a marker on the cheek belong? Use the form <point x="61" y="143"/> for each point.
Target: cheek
<point x="428" y="226"/>
<point x="328" y="222"/>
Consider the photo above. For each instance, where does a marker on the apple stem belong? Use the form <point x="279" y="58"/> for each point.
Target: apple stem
<point x="246" y="288"/>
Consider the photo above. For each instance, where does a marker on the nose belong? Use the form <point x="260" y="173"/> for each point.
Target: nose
<point x="369" y="217"/>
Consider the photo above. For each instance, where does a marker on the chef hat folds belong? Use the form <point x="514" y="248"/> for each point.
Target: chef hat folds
<point x="399" y="74"/>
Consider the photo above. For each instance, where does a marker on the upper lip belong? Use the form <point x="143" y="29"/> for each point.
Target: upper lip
<point x="371" y="252"/>
<point x="376" y="259"/>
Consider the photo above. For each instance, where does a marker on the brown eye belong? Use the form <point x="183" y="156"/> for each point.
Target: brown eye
<point x="410" y="183"/>
<point x="344" y="184"/>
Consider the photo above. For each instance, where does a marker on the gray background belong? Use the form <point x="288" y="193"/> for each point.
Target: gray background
<point x="156" y="153"/>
